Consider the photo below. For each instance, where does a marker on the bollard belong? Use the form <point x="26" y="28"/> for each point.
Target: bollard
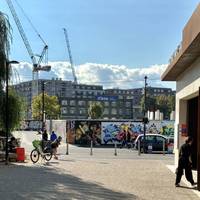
<point x="163" y="147"/>
<point x="67" y="148"/>
<point x="115" y="149"/>
<point x="91" y="147"/>
<point x="139" y="148"/>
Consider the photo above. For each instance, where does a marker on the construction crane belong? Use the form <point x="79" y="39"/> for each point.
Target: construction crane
<point x="36" y="62"/>
<point x="70" y="56"/>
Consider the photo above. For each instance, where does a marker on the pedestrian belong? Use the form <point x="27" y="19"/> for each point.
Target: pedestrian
<point x="185" y="163"/>
<point x="54" y="146"/>
<point x="44" y="135"/>
<point x="53" y="136"/>
<point x="44" y="139"/>
<point x="124" y="139"/>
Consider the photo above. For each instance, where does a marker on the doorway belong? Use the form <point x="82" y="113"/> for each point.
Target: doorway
<point x="192" y="121"/>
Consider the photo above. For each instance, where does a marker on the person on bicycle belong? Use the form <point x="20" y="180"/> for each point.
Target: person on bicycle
<point x="54" y="146"/>
<point x="53" y="136"/>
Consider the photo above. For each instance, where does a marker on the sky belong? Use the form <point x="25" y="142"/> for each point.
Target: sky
<point x="114" y="43"/>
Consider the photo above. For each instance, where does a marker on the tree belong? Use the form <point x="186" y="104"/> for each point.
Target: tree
<point x="95" y="110"/>
<point x="150" y="103"/>
<point x="171" y="103"/>
<point x="166" y="104"/>
<point x="5" y="40"/>
<point x="14" y="102"/>
<point x="51" y="107"/>
<point x="16" y="110"/>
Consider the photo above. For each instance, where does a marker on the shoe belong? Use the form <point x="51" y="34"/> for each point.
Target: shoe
<point x="177" y="185"/>
<point x="193" y="184"/>
<point x="56" y="157"/>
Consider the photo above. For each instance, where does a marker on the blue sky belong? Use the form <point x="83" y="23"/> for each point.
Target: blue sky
<point x="131" y="33"/>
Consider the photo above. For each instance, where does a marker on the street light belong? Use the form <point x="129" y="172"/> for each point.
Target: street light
<point x="8" y="64"/>
<point x="43" y="103"/>
<point x="145" y="120"/>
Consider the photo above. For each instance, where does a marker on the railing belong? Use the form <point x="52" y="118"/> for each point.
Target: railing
<point x="176" y="52"/>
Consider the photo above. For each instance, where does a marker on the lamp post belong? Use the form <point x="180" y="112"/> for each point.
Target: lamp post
<point x="8" y="64"/>
<point x="145" y="119"/>
<point x="43" y="104"/>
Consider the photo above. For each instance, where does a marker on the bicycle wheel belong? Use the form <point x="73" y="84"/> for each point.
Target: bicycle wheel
<point x="48" y="156"/>
<point x="34" y="155"/>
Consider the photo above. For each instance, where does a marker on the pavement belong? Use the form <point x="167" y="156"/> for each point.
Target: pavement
<point x="81" y="176"/>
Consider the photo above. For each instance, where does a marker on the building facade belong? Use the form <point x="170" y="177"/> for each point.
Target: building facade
<point x="75" y="99"/>
<point x="184" y="68"/>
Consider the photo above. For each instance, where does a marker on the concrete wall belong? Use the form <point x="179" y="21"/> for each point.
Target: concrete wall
<point x="188" y="84"/>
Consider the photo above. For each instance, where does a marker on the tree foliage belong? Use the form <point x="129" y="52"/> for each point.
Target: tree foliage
<point x="15" y="110"/>
<point x="15" y="103"/>
<point x="95" y="110"/>
<point x="164" y="103"/>
<point x="150" y="103"/>
<point x="51" y="107"/>
<point x="5" y="40"/>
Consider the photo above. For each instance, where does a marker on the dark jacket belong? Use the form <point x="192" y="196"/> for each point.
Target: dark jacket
<point x="185" y="153"/>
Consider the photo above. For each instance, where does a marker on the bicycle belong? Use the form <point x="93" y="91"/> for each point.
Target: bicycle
<point x="45" y="152"/>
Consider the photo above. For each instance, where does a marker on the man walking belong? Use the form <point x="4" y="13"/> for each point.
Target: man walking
<point x="185" y="162"/>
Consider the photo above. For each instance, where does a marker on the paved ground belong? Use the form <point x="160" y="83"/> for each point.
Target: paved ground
<point x="100" y="176"/>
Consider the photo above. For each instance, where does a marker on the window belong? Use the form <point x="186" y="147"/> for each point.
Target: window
<point x="120" y="97"/>
<point x="63" y="110"/>
<point x="81" y="103"/>
<point x="82" y="111"/>
<point x="120" y="112"/>
<point x="72" y="103"/>
<point x="64" y="102"/>
<point x="128" y="104"/>
<point x="113" y="103"/>
<point x="106" y="103"/>
<point x="113" y="111"/>
<point x="72" y="110"/>
<point x="129" y="97"/>
<point x="106" y="111"/>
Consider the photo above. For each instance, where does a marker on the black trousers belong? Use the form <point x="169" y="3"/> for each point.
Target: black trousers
<point x="188" y="171"/>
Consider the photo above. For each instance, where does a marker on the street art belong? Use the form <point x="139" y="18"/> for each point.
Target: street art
<point x="113" y="131"/>
<point x="107" y="132"/>
<point x="85" y="131"/>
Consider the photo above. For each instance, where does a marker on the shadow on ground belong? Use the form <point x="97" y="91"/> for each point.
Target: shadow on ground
<point x="39" y="182"/>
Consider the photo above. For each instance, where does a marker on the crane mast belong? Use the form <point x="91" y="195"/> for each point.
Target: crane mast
<point x="70" y="56"/>
<point x="36" y="64"/>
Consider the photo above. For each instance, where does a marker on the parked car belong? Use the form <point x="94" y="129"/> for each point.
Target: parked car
<point x="154" y="142"/>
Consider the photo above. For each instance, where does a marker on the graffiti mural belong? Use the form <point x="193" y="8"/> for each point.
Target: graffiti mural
<point x="161" y="127"/>
<point x="107" y="132"/>
<point x="85" y="131"/>
<point x="115" y="131"/>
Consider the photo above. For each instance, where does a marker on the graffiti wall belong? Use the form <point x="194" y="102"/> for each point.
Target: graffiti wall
<point x="107" y="132"/>
<point x="85" y="131"/>
<point x="114" y="131"/>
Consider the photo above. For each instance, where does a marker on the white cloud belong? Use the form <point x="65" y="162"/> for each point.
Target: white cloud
<point x="110" y="76"/>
